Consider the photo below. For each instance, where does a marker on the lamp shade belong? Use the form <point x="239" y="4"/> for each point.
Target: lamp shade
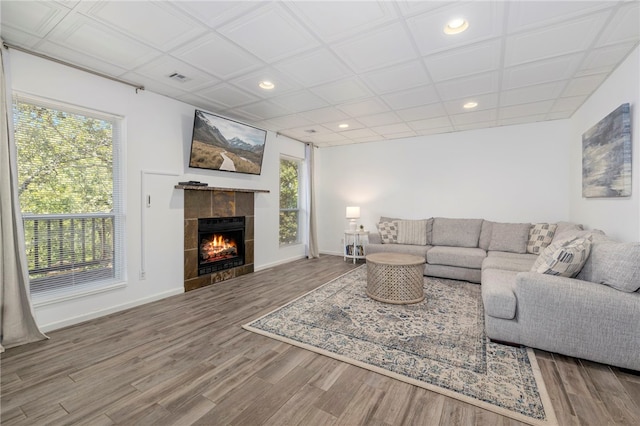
<point x="353" y="212"/>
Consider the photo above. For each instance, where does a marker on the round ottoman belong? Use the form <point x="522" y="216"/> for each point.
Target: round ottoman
<point x="395" y="278"/>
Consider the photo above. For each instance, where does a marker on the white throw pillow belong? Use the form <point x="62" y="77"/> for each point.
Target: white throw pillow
<point x="564" y="257"/>
<point x="412" y="232"/>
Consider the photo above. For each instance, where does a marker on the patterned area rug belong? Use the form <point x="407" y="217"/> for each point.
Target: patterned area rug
<point x="438" y="344"/>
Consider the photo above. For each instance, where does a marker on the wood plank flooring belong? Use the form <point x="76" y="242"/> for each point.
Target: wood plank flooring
<point x="185" y="360"/>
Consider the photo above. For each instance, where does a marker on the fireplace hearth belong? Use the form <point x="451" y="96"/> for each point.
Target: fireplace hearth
<point x="221" y="244"/>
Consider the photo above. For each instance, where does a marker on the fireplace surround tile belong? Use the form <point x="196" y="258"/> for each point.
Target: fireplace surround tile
<point x="190" y="234"/>
<point x="224" y="204"/>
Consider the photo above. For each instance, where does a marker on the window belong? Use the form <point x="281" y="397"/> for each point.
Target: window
<point x="289" y="200"/>
<point x="69" y="190"/>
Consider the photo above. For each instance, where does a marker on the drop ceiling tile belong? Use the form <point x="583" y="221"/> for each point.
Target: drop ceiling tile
<point x="329" y="137"/>
<point x="485" y="22"/>
<point x="435" y="131"/>
<point x="411" y="98"/>
<point x="18" y="38"/>
<point x="263" y="109"/>
<point x="270" y="33"/>
<point x="241" y="116"/>
<point x="524" y="110"/>
<point x="401" y="135"/>
<point x="344" y="90"/>
<point x="521" y="120"/>
<point x="216" y="13"/>
<point x="475" y="126"/>
<point x="525" y="15"/>
<point x="464" y="61"/>
<point x="469" y="86"/>
<point x="249" y="83"/>
<point x="380" y="119"/>
<point x="365" y="107"/>
<point x="360" y="133"/>
<point x="35" y="18"/>
<point x="605" y="59"/>
<point x="392" y="129"/>
<point x="584" y="85"/>
<point x="198" y="101"/>
<point x="314" y="68"/>
<point x="383" y="47"/>
<point x="63" y="53"/>
<point x="353" y="125"/>
<point x="421" y="112"/>
<point x="161" y="68"/>
<point x="84" y="35"/>
<point x="548" y="42"/>
<point x="395" y="78"/>
<point x="546" y="71"/>
<point x="290" y="121"/>
<point x="324" y="115"/>
<point x="343" y="18"/>
<point x="430" y="123"/>
<point x="570" y="104"/>
<point x="154" y="86"/>
<point x="215" y="55"/>
<point x="409" y="7"/>
<point x="150" y="22"/>
<point x="559" y="115"/>
<point x="624" y="27"/>
<point x="525" y="95"/>
<point x="474" y="117"/>
<point x="228" y="95"/>
<point x="302" y="100"/>
<point x="367" y="139"/>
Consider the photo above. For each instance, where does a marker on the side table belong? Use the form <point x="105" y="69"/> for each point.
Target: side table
<point x="354" y="244"/>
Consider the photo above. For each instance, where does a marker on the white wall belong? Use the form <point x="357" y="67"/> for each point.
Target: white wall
<point x="619" y="217"/>
<point x="511" y="174"/>
<point x="157" y="137"/>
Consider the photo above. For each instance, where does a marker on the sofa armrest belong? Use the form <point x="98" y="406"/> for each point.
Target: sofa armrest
<point x="579" y="318"/>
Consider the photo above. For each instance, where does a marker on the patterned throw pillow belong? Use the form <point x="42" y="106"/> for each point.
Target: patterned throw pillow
<point x="540" y="236"/>
<point x="564" y="257"/>
<point x="388" y="232"/>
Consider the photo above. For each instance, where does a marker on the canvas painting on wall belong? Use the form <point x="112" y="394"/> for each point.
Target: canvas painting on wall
<point x="606" y="156"/>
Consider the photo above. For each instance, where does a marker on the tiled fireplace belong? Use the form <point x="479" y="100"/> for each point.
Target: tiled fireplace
<point x="209" y="259"/>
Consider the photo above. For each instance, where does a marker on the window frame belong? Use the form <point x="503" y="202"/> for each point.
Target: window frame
<point x="118" y="139"/>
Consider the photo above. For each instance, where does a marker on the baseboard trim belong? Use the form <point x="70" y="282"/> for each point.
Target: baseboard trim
<point x="110" y="310"/>
<point x="278" y="263"/>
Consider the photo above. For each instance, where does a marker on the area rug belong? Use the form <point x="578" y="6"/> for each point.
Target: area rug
<point x="438" y="344"/>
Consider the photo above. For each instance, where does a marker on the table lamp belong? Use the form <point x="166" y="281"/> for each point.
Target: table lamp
<point x="353" y="213"/>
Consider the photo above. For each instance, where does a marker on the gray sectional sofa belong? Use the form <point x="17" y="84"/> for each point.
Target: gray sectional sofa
<point x="554" y="287"/>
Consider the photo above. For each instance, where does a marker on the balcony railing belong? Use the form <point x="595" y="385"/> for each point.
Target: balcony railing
<point x="64" y="249"/>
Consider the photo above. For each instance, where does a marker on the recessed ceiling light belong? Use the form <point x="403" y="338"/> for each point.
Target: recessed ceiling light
<point x="456" y="26"/>
<point x="470" y="105"/>
<point x="343" y="125"/>
<point x="266" y="85"/>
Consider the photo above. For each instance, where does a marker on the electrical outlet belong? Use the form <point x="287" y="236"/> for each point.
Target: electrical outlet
<point x="143" y="275"/>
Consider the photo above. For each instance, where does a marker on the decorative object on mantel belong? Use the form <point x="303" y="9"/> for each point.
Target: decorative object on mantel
<point x="217" y="188"/>
<point x="606" y="156"/>
<point x="193" y="183"/>
<point x="438" y="344"/>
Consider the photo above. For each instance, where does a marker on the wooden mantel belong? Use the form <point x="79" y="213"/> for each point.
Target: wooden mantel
<point x="215" y="188"/>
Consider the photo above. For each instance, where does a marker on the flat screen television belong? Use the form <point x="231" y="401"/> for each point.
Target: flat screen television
<point x="218" y="143"/>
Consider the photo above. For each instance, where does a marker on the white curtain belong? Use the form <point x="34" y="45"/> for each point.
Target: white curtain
<point x="313" y="232"/>
<point x="17" y="322"/>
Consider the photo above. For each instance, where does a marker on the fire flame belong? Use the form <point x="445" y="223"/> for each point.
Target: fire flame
<point x="218" y="247"/>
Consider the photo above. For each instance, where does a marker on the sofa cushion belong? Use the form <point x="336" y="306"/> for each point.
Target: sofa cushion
<point x="518" y="264"/>
<point x="412" y="232"/>
<point x="465" y="257"/>
<point x="563" y="257"/>
<point x="597" y="237"/>
<point x="388" y="232"/>
<point x="485" y="234"/>
<point x="497" y="293"/>
<point x="566" y="227"/>
<point x="616" y="265"/>
<point x="540" y="236"/>
<point x="511" y="237"/>
<point x="456" y="232"/>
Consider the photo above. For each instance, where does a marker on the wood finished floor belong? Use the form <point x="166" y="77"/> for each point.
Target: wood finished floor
<point x="185" y="360"/>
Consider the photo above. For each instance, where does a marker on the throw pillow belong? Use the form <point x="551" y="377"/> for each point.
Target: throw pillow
<point x="564" y="257"/>
<point x="540" y="236"/>
<point x="510" y="237"/>
<point x="388" y="232"/>
<point x="412" y="232"/>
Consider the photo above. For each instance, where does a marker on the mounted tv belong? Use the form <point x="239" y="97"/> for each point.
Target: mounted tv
<point x="218" y="143"/>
